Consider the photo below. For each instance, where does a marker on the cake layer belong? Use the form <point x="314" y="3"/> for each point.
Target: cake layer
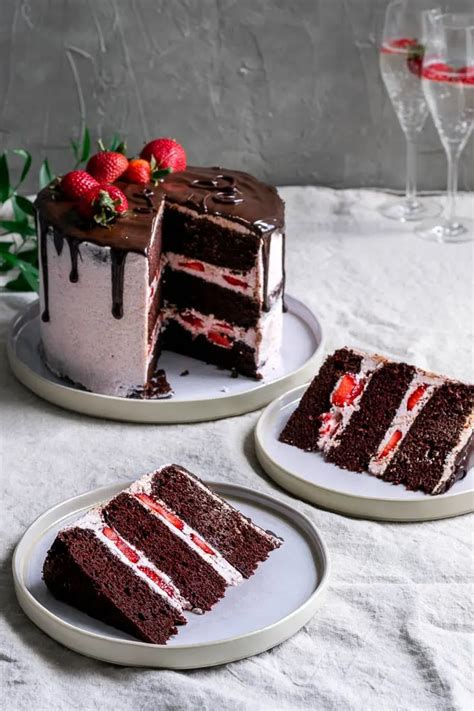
<point x="303" y="428"/>
<point x="430" y="456"/>
<point x="196" y="579"/>
<point x="81" y="571"/>
<point x="220" y="524"/>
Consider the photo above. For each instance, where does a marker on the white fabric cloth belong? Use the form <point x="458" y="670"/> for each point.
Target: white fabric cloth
<point x="395" y="629"/>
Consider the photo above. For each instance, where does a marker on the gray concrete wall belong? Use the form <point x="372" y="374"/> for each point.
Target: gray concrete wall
<point x="289" y="90"/>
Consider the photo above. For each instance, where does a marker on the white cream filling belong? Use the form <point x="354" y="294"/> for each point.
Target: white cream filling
<point x="343" y="414"/>
<point x="94" y="521"/>
<point x="217" y="561"/>
<point x="403" y="420"/>
<point x="450" y="461"/>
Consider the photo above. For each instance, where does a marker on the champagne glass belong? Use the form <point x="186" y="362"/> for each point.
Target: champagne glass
<point x="448" y="84"/>
<point x="401" y="56"/>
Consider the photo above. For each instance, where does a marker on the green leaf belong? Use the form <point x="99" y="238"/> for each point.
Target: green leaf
<point x="24" y="204"/>
<point x="5" y="246"/>
<point x="21" y="227"/>
<point x="9" y="258"/>
<point x="28" y="271"/>
<point x="45" y="174"/>
<point x="26" y="164"/>
<point x="86" y="145"/>
<point x="5" y="189"/>
<point x="18" y="284"/>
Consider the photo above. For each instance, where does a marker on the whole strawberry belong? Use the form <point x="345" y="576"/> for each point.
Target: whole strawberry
<point x="107" y="166"/>
<point x="138" y="171"/>
<point x="103" y="204"/>
<point x="76" y="183"/>
<point x="168" y="154"/>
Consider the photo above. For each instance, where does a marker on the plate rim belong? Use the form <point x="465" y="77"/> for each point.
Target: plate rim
<point x="38" y="528"/>
<point x="340" y="501"/>
<point x="169" y="410"/>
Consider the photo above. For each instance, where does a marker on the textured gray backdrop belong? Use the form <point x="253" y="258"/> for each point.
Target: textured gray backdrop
<point x="289" y="90"/>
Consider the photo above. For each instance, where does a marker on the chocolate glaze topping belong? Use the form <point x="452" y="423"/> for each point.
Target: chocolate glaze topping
<point x="232" y="195"/>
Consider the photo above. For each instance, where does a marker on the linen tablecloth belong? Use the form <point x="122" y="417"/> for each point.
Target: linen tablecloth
<point x="395" y="629"/>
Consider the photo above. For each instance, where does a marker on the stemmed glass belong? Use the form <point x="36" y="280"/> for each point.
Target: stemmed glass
<point x="401" y="56"/>
<point x="448" y="84"/>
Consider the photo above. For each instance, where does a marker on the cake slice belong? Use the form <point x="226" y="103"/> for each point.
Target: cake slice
<point x="365" y="412"/>
<point x="164" y="545"/>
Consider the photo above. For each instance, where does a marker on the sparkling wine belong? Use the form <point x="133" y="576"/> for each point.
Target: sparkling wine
<point x="450" y="96"/>
<point x="400" y="65"/>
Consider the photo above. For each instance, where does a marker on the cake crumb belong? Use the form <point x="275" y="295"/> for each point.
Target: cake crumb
<point x="234" y="373"/>
<point x="185" y="372"/>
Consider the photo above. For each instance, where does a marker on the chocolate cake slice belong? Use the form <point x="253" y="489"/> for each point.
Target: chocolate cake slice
<point x="400" y="423"/>
<point x="195" y="265"/>
<point x="152" y="552"/>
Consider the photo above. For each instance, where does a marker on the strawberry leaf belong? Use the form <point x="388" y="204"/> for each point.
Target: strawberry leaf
<point x="5" y="189"/>
<point x="45" y="174"/>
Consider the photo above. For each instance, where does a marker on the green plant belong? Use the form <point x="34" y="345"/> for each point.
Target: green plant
<point x="21" y="250"/>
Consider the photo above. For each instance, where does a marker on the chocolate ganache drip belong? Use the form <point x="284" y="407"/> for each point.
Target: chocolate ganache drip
<point x="42" y="230"/>
<point x="118" y="270"/>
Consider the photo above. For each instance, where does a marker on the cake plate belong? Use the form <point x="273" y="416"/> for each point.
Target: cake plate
<point x="260" y="613"/>
<point x="310" y="477"/>
<point x="206" y="393"/>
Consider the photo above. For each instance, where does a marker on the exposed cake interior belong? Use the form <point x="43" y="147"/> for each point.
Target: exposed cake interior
<point x="196" y="266"/>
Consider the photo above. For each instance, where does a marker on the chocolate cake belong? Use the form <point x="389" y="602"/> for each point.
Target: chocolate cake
<point x="405" y="425"/>
<point x="195" y="265"/>
<point x="165" y="545"/>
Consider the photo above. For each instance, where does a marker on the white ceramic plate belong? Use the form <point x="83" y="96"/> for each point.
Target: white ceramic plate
<point x="265" y="610"/>
<point x="207" y="393"/>
<point x="307" y="475"/>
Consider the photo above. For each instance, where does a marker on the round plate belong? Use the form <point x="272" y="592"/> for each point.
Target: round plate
<point x="310" y="477"/>
<point x="254" y="616"/>
<point x="207" y="393"/>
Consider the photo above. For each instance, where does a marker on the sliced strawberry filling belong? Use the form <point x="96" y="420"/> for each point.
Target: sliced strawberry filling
<point x="120" y="544"/>
<point x="195" y="266"/>
<point x="347" y="390"/>
<point x="193" y="320"/>
<point x="236" y="282"/>
<point x="223" y="325"/>
<point x="219" y="339"/>
<point x="157" y="579"/>
<point x="161" y="510"/>
<point x="391" y="444"/>
<point x="416" y="396"/>
<point x="202" y="544"/>
<point x="329" y="424"/>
